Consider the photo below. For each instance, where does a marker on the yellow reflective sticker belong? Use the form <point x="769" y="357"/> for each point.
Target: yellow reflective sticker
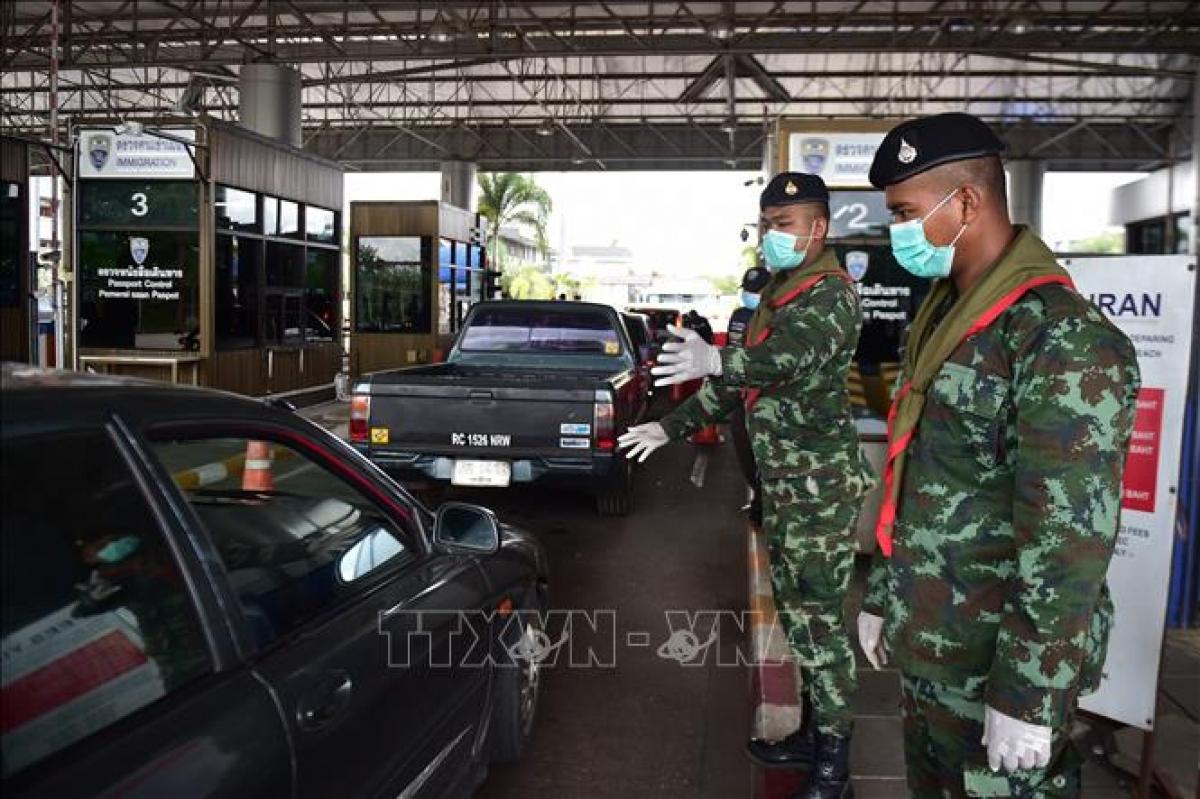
<point x="612" y="348"/>
<point x="379" y="435"/>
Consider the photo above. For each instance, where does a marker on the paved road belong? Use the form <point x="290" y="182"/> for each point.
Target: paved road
<point x="648" y="727"/>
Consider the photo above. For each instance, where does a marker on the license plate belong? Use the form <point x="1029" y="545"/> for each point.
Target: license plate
<point x="481" y="473"/>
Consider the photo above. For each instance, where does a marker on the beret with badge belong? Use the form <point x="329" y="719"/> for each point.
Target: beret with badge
<point x="917" y="145"/>
<point x="793" y="188"/>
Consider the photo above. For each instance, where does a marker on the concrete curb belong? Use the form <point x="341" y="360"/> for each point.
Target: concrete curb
<point x="212" y="473"/>
<point x="774" y="675"/>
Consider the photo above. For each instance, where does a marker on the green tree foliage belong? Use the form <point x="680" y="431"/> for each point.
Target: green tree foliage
<point x="572" y="286"/>
<point x="1109" y="242"/>
<point x="388" y="293"/>
<point x="749" y="257"/>
<point x="526" y="282"/>
<point x="730" y="284"/>
<point x="510" y="198"/>
<point x="726" y="284"/>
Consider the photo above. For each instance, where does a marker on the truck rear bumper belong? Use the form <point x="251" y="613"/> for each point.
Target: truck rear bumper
<point x="597" y="468"/>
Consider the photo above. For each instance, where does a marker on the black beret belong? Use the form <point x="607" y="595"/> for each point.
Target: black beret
<point x="916" y="145"/>
<point x="756" y="279"/>
<point x="792" y="188"/>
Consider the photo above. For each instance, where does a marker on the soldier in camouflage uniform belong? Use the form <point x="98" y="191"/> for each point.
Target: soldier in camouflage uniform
<point x="791" y="378"/>
<point x="1007" y="442"/>
<point x="144" y="581"/>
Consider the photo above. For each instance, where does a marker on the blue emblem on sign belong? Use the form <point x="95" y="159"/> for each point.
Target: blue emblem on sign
<point x="139" y="248"/>
<point x="99" y="146"/>
<point x="813" y="154"/>
<point x="856" y="264"/>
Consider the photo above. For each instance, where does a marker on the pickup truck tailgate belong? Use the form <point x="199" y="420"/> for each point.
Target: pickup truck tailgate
<point x="498" y="415"/>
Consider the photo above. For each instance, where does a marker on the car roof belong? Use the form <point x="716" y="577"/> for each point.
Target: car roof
<point x="649" y="309"/>
<point x="552" y="305"/>
<point x="34" y="394"/>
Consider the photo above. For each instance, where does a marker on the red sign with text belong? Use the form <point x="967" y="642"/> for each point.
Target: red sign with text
<point x="1141" y="464"/>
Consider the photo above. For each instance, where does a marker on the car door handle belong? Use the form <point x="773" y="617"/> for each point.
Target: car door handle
<point x="326" y="702"/>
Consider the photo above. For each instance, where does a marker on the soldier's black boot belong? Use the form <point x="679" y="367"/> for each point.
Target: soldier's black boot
<point x="830" y="775"/>
<point x="794" y="751"/>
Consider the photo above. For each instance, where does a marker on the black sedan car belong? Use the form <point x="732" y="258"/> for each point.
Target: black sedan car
<point x="205" y="595"/>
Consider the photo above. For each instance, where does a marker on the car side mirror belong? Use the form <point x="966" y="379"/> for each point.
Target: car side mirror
<point x="466" y="528"/>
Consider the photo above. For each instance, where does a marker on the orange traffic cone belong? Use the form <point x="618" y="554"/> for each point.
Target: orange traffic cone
<point x="256" y="476"/>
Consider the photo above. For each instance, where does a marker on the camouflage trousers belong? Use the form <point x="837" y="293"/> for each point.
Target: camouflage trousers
<point x="810" y="539"/>
<point x="943" y="729"/>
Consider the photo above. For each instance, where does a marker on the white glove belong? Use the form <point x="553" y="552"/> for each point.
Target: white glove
<point x="1013" y="743"/>
<point x="870" y="638"/>
<point x="690" y="358"/>
<point x="642" y="440"/>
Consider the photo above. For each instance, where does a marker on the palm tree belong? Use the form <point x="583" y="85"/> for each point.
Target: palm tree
<point x="507" y="198"/>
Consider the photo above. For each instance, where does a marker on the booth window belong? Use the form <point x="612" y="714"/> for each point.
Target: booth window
<point x="1149" y="236"/>
<point x="289" y="219"/>
<point x="238" y="267"/>
<point x="283" y="311"/>
<point x="446" y="280"/>
<point x="11" y="216"/>
<point x="393" y="280"/>
<point x="139" y="291"/>
<point x="320" y="225"/>
<point x="237" y="210"/>
<point x="270" y="216"/>
<point x="467" y="283"/>
<point x="1183" y="233"/>
<point x="321" y="295"/>
<point x="271" y="288"/>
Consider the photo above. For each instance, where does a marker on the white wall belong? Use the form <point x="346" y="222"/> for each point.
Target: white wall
<point x="1147" y="198"/>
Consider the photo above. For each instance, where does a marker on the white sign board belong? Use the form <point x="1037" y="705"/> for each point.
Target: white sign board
<point x="1151" y="299"/>
<point x="104" y="153"/>
<point x="841" y="159"/>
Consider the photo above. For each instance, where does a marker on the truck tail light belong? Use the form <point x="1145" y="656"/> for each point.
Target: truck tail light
<point x="360" y="412"/>
<point x="603" y="422"/>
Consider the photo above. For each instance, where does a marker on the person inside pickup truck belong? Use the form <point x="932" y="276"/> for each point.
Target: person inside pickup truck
<point x="791" y="378"/>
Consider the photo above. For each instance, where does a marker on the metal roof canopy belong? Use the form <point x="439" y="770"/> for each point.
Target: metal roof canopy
<point x="622" y="85"/>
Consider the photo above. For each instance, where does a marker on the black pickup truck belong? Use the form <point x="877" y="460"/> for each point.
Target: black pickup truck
<point x="531" y="391"/>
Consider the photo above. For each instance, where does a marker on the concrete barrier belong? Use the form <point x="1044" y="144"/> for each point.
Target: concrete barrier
<point x="774" y="675"/>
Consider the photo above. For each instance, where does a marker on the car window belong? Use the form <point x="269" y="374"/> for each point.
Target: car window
<point x="97" y="621"/>
<point x="632" y="326"/>
<point x="639" y="336"/>
<point x="543" y="331"/>
<point x="295" y="539"/>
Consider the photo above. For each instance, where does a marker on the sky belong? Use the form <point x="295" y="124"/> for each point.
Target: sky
<point x="1075" y="205"/>
<point x="676" y="223"/>
<point x="686" y="224"/>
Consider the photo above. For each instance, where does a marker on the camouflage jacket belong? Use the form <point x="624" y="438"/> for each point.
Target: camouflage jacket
<point x="801" y="424"/>
<point x="1009" y="508"/>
